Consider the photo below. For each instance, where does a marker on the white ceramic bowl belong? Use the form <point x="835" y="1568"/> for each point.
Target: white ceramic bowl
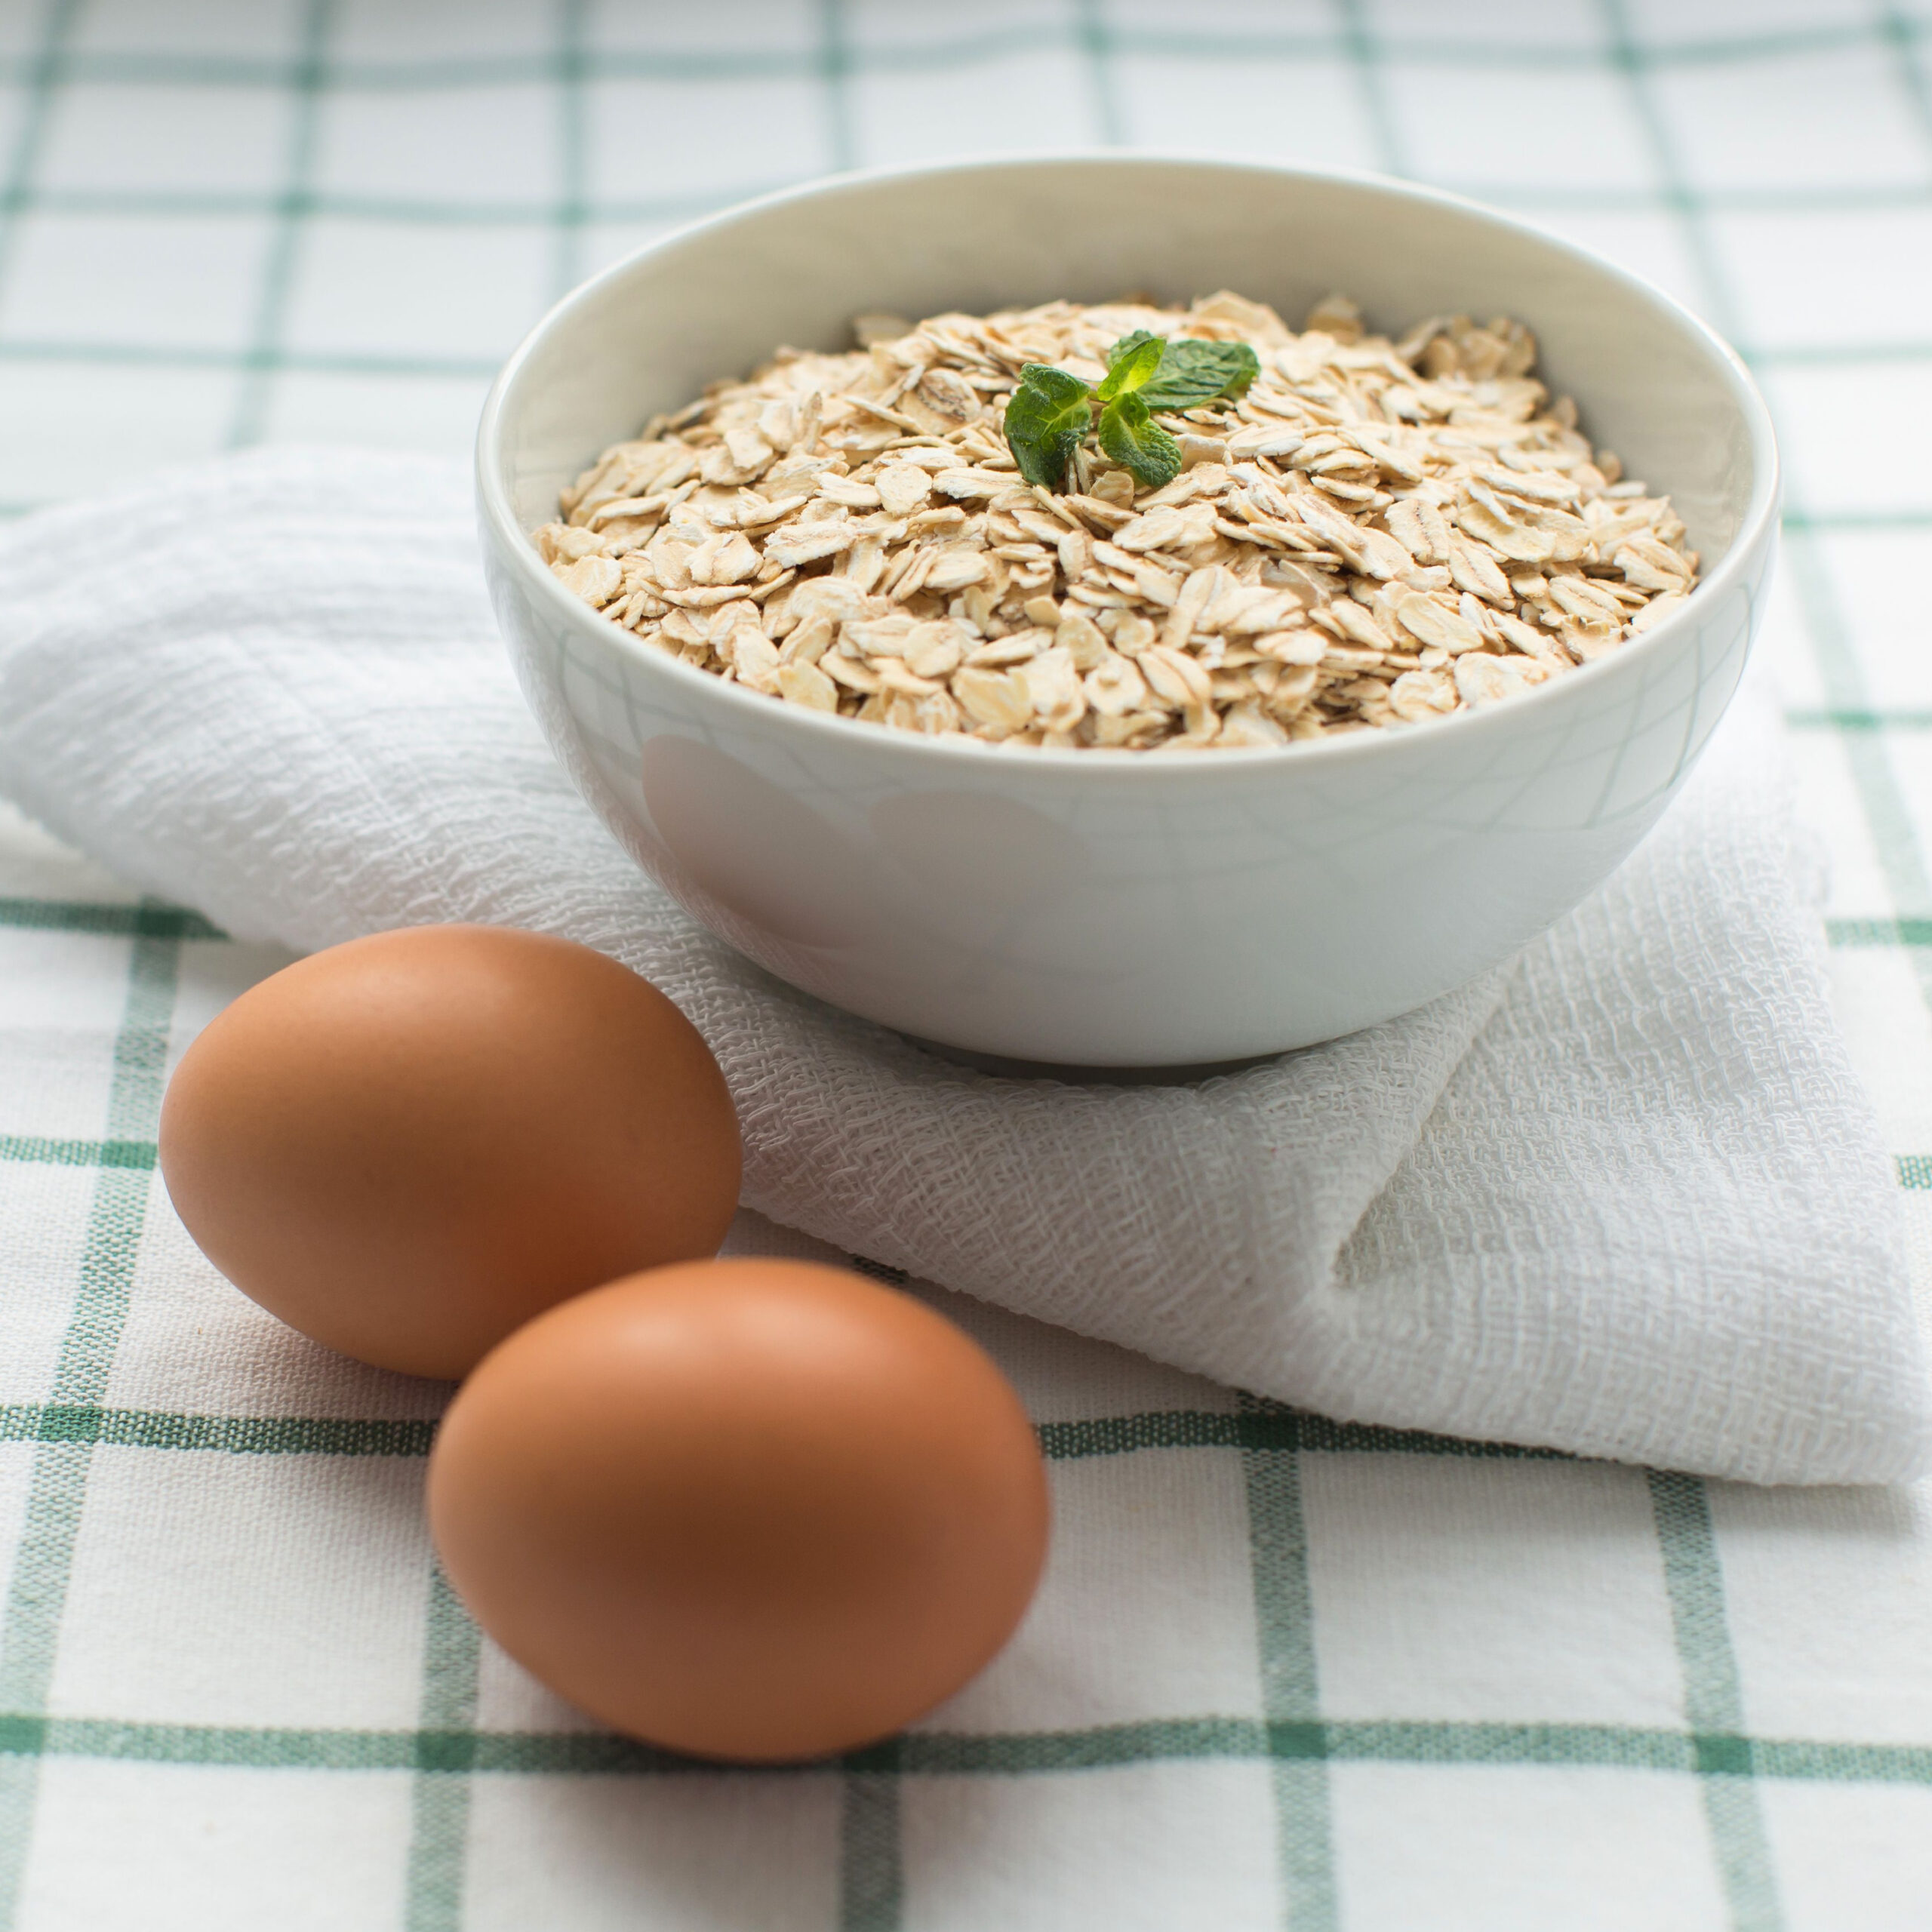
<point x="1121" y="909"/>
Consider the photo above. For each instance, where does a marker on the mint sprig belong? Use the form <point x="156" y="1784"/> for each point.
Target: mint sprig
<point x="1130" y="435"/>
<point x="1131" y="363"/>
<point x="1193" y="373"/>
<point x="1046" y="417"/>
<point x="1052" y="412"/>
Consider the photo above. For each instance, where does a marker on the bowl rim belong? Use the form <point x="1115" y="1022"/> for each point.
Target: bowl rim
<point x="512" y="539"/>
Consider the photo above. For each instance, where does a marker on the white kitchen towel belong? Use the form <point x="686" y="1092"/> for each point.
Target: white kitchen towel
<point x="1626" y="1199"/>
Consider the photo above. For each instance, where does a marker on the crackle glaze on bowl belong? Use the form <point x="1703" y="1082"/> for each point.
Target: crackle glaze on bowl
<point x="1121" y="909"/>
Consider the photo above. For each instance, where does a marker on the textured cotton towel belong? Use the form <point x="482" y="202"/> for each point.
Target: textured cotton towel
<point x="1626" y="1199"/>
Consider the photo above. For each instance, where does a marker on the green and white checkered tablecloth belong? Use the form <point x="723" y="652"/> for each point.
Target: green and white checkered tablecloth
<point x="1282" y="1673"/>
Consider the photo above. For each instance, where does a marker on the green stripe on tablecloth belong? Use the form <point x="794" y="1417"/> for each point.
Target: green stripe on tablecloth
<point x="37" y="1149"/>
<point x="1855" y="522"/>
<point x="144" y="921"/>
<point x="233" y="1435"/>
<point x="872" y="1881"/>
<point x="1713" y="1702"/>
<point x="1840" y="354"/>
<point x="572" y="209"/>
<point x="1259" y="1424"/>
<point x="1100" y="44"/>
<point x="999" y="1754"/>
<point x="1915" y="1171"/>
<point x="1290" y="1689"/>
<point x="43" y="1557"/>
<point x="1807" y="719"/>
<point x="260" y="361"/>
<point x="407" y="210"/>
<point x="1263" y="1428"/>
<point x="1548" y="198"/>
<point x="1266" y="1428"/>
<point x="160" y="68"/>
<point x="1365" y="52"/>
<point x="1856" y="935"/>
<point x="306" y="86"/>
<point x="39" y="75"/>
<point x="1896" y="34"/>
<point x="439" y="1795"/>
<point x="833" y="62"/>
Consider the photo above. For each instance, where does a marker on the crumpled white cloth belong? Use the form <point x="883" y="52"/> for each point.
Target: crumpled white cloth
<point x="1627" y="1198"/>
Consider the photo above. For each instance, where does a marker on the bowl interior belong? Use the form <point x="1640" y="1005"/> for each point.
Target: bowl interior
<point x="647" y="334"/>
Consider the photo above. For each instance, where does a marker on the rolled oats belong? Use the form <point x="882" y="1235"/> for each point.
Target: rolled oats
<point x="1378" y="534"/>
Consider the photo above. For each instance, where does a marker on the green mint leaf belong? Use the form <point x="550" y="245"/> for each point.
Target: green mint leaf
<point x="1131" y="363"/>
<point x="1130" y="435"/>
<point x="1046" y="416"/>
<point x="1193" y="373"/>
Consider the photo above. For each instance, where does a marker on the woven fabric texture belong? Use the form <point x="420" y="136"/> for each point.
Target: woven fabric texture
<point x="1627" y="1199"/>
<point x="1284" y="1672"/>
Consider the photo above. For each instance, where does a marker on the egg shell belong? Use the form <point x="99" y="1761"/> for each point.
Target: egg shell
<point x="407" y="1146"/>
<point x="748" y="1509"/>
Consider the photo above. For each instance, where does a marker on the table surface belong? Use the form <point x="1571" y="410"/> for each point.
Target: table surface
<point x="1282" y="1673"/>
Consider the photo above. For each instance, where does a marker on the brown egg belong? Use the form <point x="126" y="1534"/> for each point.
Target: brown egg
<point x="750" y="1509"/>
<point x="407" y="1146"/>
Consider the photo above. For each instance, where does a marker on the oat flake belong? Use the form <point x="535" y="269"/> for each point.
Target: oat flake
<point x="1381" y="533"/>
